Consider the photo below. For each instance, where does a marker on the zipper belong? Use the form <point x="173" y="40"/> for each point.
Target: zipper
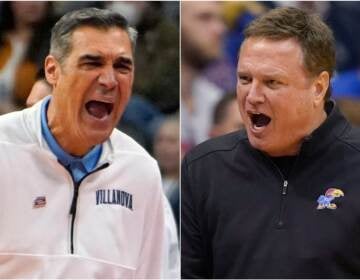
<point x="74" y="203"/>
<point x="283" y="188"/>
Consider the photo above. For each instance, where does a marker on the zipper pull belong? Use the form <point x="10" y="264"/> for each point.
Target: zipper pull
<point x="284" y="188"/>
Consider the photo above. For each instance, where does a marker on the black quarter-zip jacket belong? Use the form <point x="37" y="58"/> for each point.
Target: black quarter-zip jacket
<point x="242" y="219"/>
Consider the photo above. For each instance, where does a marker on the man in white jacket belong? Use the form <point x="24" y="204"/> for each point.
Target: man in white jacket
<point x="80" y="199"/>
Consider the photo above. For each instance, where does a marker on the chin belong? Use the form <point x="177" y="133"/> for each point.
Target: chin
<point x="98" y="137"/>
<point x="259" y="145"/>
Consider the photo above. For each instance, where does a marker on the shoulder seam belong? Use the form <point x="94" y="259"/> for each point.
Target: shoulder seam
<point x="217" y="150"/>
<point x="345" y="142"/>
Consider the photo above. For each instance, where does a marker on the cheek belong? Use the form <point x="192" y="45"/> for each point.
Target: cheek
<point x="304" y="105"/>
<point x="239" y="94"/>
<point x="122" y="102"/>
<point x="76" y="90"/>
<point x="292" y="110"/>
<point x="240" y="99"/>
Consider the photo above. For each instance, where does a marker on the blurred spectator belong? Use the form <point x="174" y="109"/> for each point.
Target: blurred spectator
<point x="343" y="18"/>
<point x="346" y="85"/>
<point x="351" y="110"/>
<point x="237" y="16"/>
<point x="140" y="120"/>
<point x="62" y="7"/>
<point x="156" y="85"/>
<point x="157" y="52"/>
<point x="24" y="42"/>
<point x="40" y="89"/>
<point x="346" y="91"/>
<point x="166" y="151"/>
<point x="202" y="31"/>
<point x="226" y="116"/>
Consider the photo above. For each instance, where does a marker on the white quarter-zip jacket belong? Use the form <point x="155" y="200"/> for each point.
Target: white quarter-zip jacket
<point x="117" y="229"/>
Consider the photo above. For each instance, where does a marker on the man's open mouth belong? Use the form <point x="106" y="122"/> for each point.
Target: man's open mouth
<point x="259" y="120"/>
<point x="99" y="109"/>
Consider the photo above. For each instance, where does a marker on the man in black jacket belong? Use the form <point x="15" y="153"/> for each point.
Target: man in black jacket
<point x="281" y="200"/>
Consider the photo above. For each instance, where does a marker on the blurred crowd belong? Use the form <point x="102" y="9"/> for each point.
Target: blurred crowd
<point x="152" y="116"/>
<point x="211" y="35"/>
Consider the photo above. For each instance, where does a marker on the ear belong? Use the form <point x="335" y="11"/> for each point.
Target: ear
<point x="321" y="85"/>
<point x="52" y="70"/>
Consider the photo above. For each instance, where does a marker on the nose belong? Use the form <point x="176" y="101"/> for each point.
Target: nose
<point x="217" y="28"/>
<point x="107" y="78"/>
<point x="255" y="94"/>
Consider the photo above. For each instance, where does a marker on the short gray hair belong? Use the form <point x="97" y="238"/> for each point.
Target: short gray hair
<point x="60" y="44"/>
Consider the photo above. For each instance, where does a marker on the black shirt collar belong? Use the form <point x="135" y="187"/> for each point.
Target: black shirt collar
<point x="334" y="125"/>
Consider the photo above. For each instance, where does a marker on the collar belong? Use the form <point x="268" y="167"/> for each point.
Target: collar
<point x="334" y="126"/>
<point x="88" y="161"/>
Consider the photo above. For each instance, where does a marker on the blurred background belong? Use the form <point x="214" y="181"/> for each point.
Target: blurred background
<point x="211" y="33"/>
<point x="152" y="116"/>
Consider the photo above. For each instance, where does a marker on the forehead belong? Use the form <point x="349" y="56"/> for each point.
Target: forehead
<point x="112" y="41"/>
<point x="197" y="9"/>
<point x="283" y="56"/>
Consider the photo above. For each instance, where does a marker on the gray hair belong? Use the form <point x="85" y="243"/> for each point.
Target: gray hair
<point x="60" y="44"/>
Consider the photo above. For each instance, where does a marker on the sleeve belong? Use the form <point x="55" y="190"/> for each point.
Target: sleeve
<point x="171" y="263"/>
<point x="194" y="262"/>
<point x="151" y="255"/>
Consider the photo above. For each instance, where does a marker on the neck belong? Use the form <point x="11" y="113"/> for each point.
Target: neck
<point x="66" y="138"/>
<point x="295" y="149"/>
<point x="22" y="34"/>
<point x="188" y="74"/>
<point x="318" y="121"/>
<point x="172" y="174"/>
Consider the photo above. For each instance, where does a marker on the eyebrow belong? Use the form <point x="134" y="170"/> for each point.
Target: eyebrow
<point x="124" y="60"/>
<point x="90" y="57"/>
<point x="242" y="73"/>
<point x="99" y="58"/>
<point x="269" y="74"/>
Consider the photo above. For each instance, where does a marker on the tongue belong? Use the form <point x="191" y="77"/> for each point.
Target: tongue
<point x="97" y="109"/>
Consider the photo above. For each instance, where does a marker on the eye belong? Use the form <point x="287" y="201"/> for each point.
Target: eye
<point x="244" y="79"/>
<point x="91" y="64"/>
<point x="123" y="67"/>
<point x="271" y="83"/>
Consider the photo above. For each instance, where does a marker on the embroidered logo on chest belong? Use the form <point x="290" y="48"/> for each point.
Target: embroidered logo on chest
<point x="114" y="196"/>
<point x="325" y="201"/>
<point x="39" y="202"/>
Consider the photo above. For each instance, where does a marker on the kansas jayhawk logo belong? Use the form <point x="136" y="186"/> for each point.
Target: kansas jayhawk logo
<point x="325" y="200"/>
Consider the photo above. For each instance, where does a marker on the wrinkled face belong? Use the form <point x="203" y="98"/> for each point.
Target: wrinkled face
<point x="91" y="88"/>
<point x="279" y="103"/>
<point x="202" y="29"/>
